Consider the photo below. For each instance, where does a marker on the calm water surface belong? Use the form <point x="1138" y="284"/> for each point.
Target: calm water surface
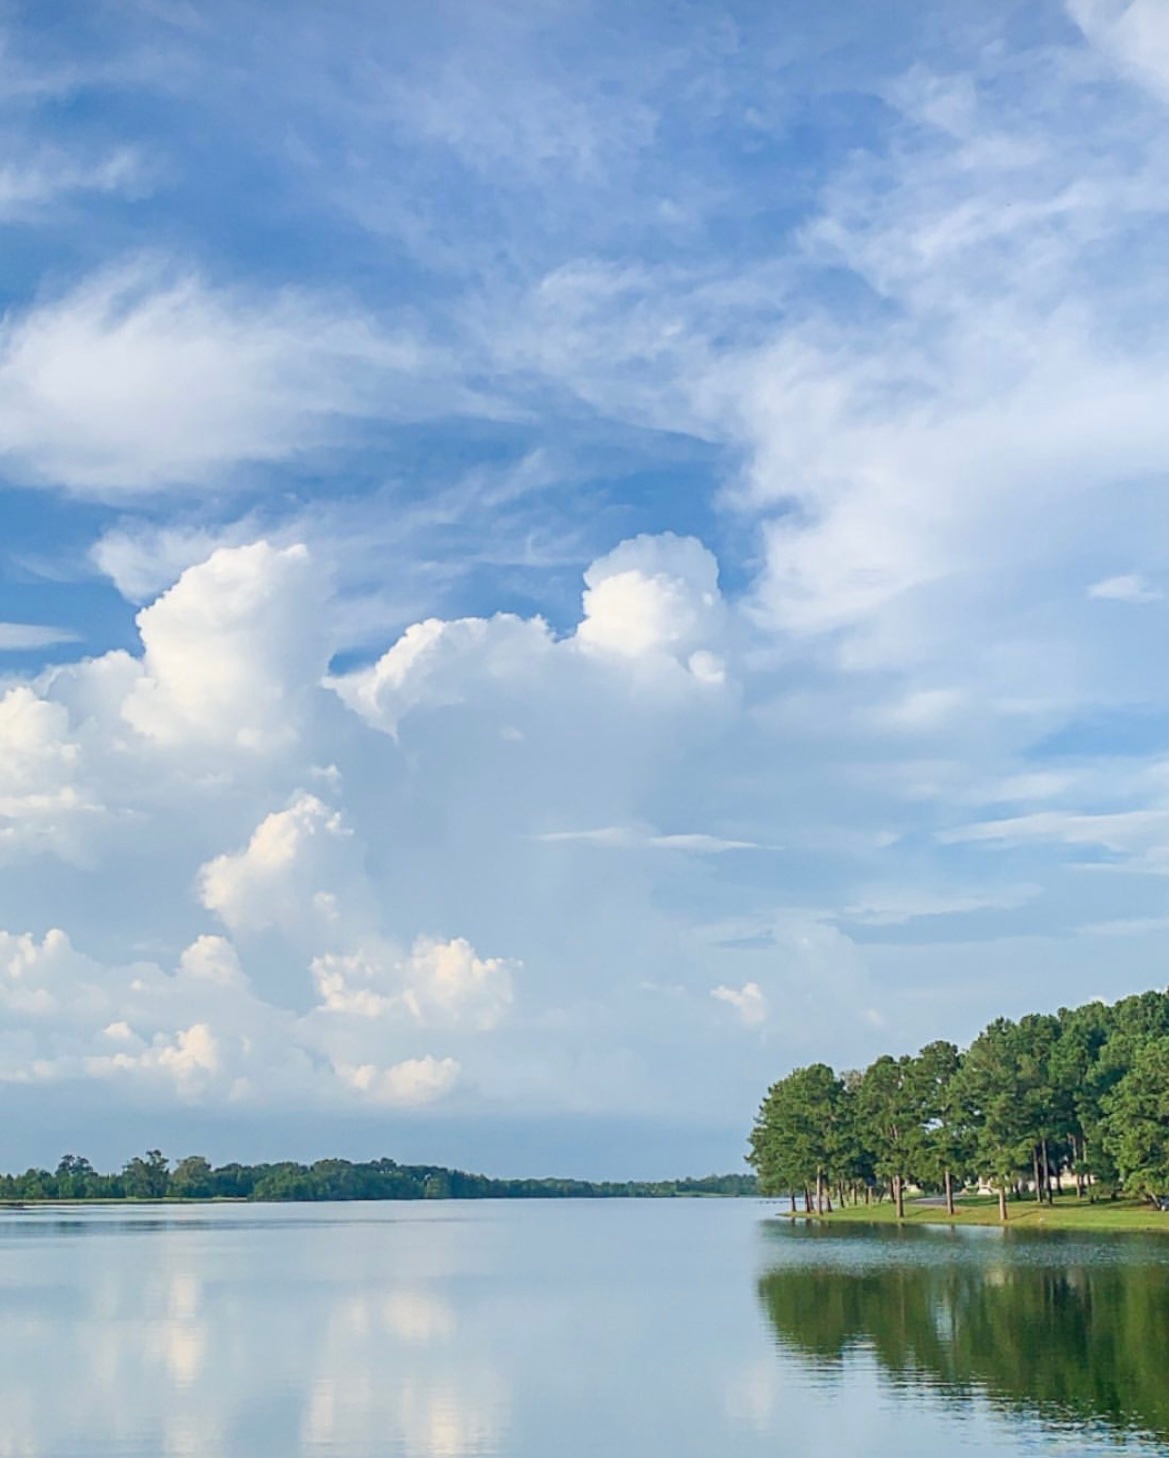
<point x="568" y="1329"/>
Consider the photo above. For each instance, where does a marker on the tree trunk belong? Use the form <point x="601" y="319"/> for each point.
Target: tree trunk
<point x="1046" y="1170"/>
<point x="899" y="1196"/>
<point x="819" y="1193"/>
<point x="1035" y="1169"/>
<point x="1003" y="1202"/>
<point x="807" y="1201"/>
<point x="791" y="1194"/>
<point x="949" y="1193"/>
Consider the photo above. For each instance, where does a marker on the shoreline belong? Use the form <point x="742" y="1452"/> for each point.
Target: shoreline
<point x="1067" y="1213"/>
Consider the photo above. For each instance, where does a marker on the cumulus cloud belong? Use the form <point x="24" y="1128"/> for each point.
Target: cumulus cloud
<point x="432" y="664"/>
<point x="414" y="871"/>
<point x="226" y="649"/>
<point x="191" y="1058"/>
<point x="231" y="658"/>
<point x="41" y="800"/>
<point x="748" y="1001"/>
<point x="413" y="1081"/>
<point x="655" y="594"/>
<point x="277" y="879"/>
<point x="438" y="984"/>
<point x="142" y="561"/>
<point x="652" y="605"/>
<point x="197" y="1034"/>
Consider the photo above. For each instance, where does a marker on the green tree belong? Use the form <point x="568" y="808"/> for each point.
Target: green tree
<point x="1035" y="1041"/>
<point x="887" y="1107"/>
<point x="990" y="1085"/>
<point x="192" y="1179"/>
<point x="798" y="1142"/>
<point x="1075" y="1074"/>
<point x="76" y="1179"/>
<point x="941" y="1143"/>
<point x="147" y="1179"/>
<point x="1136" y="1121"/>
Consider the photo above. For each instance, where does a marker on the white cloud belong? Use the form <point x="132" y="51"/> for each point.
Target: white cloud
<point x="651" y="609"/>
<point x="200" y="1034"/>
<point x="1130" y="587"/>
<point x="429" y="664"/>
<point x="411" y="1082"/>
<point x="23" y="637"/>
<point x="357" y="872"/>
<point x="927" y="378"/>
<point x="654" y="594"/>
<point x="1124" y="832"/>
<point x="439" y="984"/>
<point x="921" y="709"/>
<point x="141" y="379"/>
<point x="632" y="837"/>
<point x="1133" y="34"/>
<point x="41" y="799"/>
<point x="902" y="494"/>
<point x="143" y="561"/>
<point x="33" y="972"/>
<point x="33" y="184"/>
<point x="278" y="878"/>
<point x="227" y="648"/>
<point x="213" y="960"/>
<point x="190" y="1057"/>
<point x="231" y="660"/>
<point x="748" y="1001"/>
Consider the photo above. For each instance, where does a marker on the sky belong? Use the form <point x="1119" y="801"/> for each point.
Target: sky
<point x="559" y="560"/>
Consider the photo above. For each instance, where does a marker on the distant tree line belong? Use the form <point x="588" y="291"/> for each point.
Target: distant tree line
<point x="152" y="1177"/>
<point x="1081" y="1095"/>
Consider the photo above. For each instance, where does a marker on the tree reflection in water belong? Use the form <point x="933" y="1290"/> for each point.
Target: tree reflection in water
<point x="1066" y="1330"/>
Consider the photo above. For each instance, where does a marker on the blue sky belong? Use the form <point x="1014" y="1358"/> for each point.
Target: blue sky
<point x="557" y="561"/>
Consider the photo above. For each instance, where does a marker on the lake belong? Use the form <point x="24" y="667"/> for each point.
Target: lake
<point x="568" y="1329"/>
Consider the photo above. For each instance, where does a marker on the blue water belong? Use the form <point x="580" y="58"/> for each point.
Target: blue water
<point x="566" y="1329"/>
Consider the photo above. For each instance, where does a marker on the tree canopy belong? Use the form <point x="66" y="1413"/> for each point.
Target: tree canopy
<point x="152" y="1177"/>
<point x="1082" y="1094"/>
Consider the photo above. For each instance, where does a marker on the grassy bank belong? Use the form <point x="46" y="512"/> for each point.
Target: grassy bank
<point x="1067" y="1213"/>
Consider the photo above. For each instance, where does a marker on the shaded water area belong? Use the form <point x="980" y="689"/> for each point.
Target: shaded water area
<point x="1068" y="1329"/>
<point x="688" y="1328"/>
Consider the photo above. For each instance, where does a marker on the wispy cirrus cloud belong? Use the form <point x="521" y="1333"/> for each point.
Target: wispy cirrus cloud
<point x="1132" y="34"/>
<point x="144" y="379"/>
<point x="32" y="185"/>
<point x="633" y="837"/>
<point x="23" y="637"/>
<point x="1139" y="833"/>
<point x="1128" y="587"/>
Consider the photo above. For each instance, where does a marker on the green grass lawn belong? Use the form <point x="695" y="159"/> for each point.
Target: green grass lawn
<point x="1068" y="1213"/>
